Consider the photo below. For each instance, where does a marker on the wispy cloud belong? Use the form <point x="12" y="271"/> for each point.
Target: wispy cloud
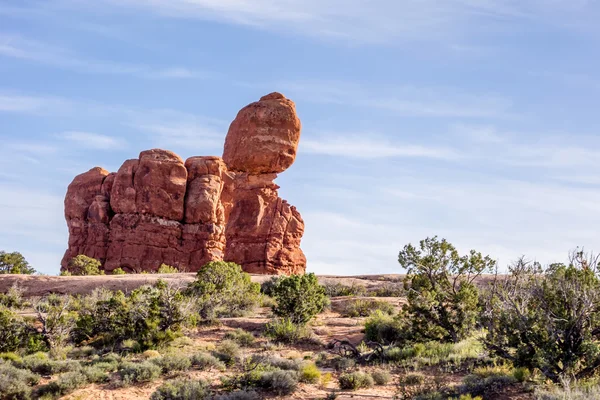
<point x="14" y="46"/>
<point x="93" y="140"/>
<point x="376" y="20"/>
<point x="31" y="104"/>
<point x="370" y="146"/>
<point x="409" y="101"/>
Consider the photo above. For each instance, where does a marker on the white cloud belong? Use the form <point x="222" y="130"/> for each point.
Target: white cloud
<point x="14" y="46"/>
<point x="93" y="140"/>
<point x="376" y="20"/>
<point x="410" y="101"/>
<point x="369" y="146"/>
<point x="16" y="103"/>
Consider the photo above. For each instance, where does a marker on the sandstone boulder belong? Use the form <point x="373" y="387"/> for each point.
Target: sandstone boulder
<point x="264" y="136"/>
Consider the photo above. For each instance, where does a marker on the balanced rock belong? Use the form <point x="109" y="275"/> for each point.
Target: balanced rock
<point x="157" y="209"/>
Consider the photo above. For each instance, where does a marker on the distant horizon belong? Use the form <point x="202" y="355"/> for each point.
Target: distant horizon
<point x="473" y="122"/>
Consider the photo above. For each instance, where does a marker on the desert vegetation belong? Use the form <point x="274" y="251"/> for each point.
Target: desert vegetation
<point x="442" y="332"/>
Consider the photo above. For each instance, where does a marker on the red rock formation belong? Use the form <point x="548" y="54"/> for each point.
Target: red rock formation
<point x="157" y="209"/>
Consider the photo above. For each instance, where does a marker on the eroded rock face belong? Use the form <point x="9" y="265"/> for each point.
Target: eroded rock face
<point x="157" y="209"/>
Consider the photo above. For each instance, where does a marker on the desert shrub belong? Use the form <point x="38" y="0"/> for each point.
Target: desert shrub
<point x="241" y="337"/>
<point x="65" y="384"/>
<point x="14" y="263"/>
<point x="82" y="352"/>
<point x="150" y="315"/>
<point x="167" y="269"/>
<point x="343" y="363"/>
<point x="280" y="382"/>
<point x="10" y="356"/>
<point x="145" y="371"/>
<point x="521" y="374"/>
<point x="182" y="390"/>
<point x="284" y="330"/>
<point x="383" y="328"/>
<point x="95" y="374"/>
<point x="486" y="387"/>
<point x="13" y="298"/>
<point x="309" y="373"/>
<point x="84" y="265"/>
<point x="337" y="289"/>
<point x="238" y="395"/>
<point x="388" y="289"/>
<point x="566" y="392"/>
<point x="365" y="307"/>
<point x="491" y="370"/>
<point x="299" y="298"/>
<point x="57" y="318"/>
<point x="15" y="384"/>
<point x="228" y="351"/>
<point x="443" y="301"/>
<point x="12" y="330"/>
<point x="276" y="362"/>
<point x="173" y="363"/>
<point x="267" y="286"/>
<point x="381" y="377"/>
<point x="414" y="378"/>
<point x="118" y="271"/>
<point x="41" y="364"/>
<point x="547" y="319"/>
<point x="149" y="354"/>
<point x="223" y="289"/>
<point x="205" y="361"/>
<point x="355" y="381"/>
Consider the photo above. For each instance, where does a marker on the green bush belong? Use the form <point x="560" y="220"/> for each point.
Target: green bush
<point x="13" y="298"/>
<point x="383" y="328"/>
<point x="182" y="390"/>
<point x="342" y="364"/>
<point x="65" y="384"/>
<point x="299" y="298"/>
<point x="241" y="337"/>
<point x="167" y="269"/>
<point x="14" y="263"/>
<point x="267" y="286"/>
<point x="443" y="301"/>
<point x="339" y="290"/>
<point x="15" y="384"/>
<point x="284" y="330"/>
<point x="12" y="330"/>
<point x="205" y="361"/>
<point x="355" y="381"/>
<point x="280" y="382"/>
<point x="309" y="373"/>
<point x="365" y="307"/>
<point x="145" y="371"/>
<point x="95" y="374"/>
<point x="150" y="315"/>
<point x="83" y="265"/>
<point x="118" y="271"/>
<point x="521" y="374"/>
<point x="381" y="377"/>
<point x="14" y="357"/>
<point x="228" y="352"/>
<point x="173" y="363"/>
<point x="276" y="362"/>
<point x="529" y="310"/>
<point x="413" y="379"/>
<point x="486" y="387"/>
<point x="223" y="290"/>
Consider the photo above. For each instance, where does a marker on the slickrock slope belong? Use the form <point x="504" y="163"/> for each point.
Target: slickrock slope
<point x="158" y="209"/>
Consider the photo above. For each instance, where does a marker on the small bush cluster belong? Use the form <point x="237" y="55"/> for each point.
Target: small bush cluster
<point x="365" y="307"/>
<point x="355" y="381"/>
<point x="145" y="371"/>
<point x="285" y="331"/>
<point x="183" y="389"/>
<point x="241" y="337"/>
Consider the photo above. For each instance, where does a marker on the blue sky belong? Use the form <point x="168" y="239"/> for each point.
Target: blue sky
<point x="473" y="120"/>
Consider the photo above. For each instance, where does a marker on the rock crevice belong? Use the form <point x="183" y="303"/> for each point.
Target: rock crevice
<point x="159" y="209"/>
